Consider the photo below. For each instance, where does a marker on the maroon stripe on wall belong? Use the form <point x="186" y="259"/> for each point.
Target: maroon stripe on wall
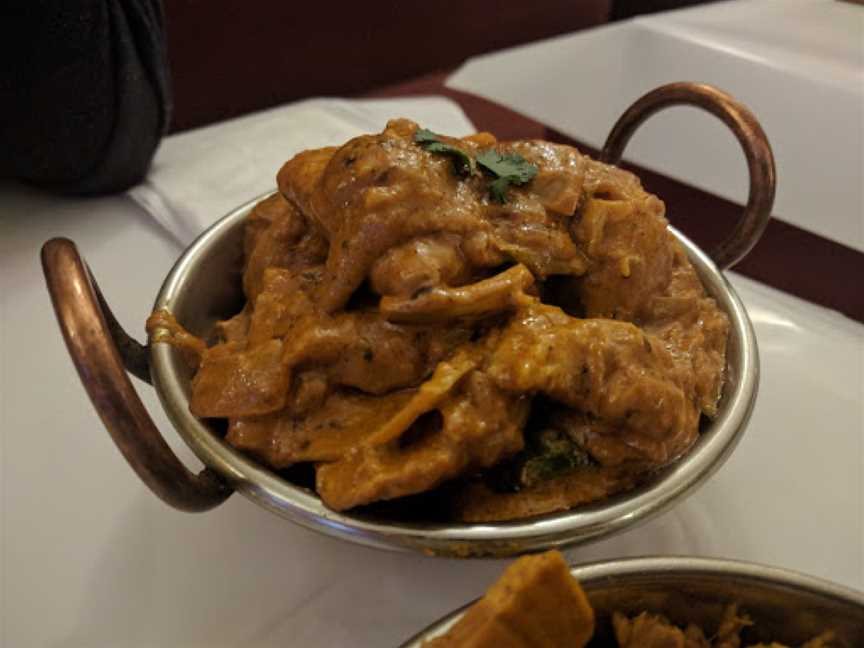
<point x="787" y="257"/>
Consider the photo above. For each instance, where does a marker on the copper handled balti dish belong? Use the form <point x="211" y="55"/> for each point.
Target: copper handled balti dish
<point x="103" y="354"/>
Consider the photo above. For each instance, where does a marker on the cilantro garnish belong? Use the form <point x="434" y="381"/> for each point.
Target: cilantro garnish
<point x="425" y="136"/>
<point x="498" y="190"/>
<point x="463" y="164"/>
<point x="510" y="169"/>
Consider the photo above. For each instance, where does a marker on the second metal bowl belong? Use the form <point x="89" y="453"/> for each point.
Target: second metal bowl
<point x="786" y="606"/>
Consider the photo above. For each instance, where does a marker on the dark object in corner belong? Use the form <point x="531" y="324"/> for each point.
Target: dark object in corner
<point x="84" y="93"/>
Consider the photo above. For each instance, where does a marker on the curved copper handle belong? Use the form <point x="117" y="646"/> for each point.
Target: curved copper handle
<point x="746" y="128"/>
<point x="102" y="353"/>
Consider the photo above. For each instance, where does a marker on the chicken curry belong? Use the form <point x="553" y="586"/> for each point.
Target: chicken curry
<point x="511" y="325"/>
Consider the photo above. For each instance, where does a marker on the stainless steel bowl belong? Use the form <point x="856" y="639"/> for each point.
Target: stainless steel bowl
<point x="205" y="286"/>
<point x="786" y="606"/>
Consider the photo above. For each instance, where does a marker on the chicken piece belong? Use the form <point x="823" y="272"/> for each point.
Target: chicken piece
<point x="266" y="211"/>
<point x="377" y="192"/>
<point x="536" y="603"/>
<point x="309" y="391"/>
<point x="544" y="247"/>
<point x="421" y="263"/>
<point x="631" y="259"/>
<point x="485" y="422"/>
<point x="524" y="231"/>
<point x="282" y="307"/>
<point x="610" y="370"/>
<point x="609" y="182"/>
<point x="533" y="227"/>
<point x="429" y="396"/>
<point x="323" y="433"/>
<point x="278" y="236"/>
<point x="482" y="249"/>
<point x="378" y="357"/>
<point x="640" y="273"/>
<point x="299" y="177"/>
<point x="503" y="292"/>
<point x="693" y="329"/>
<point x="473" y="429"/>
<point x="359" y="478"/>
<point x="364" y="351"/>
<point x="560" y="177"/>
<point x="354" y="349"/>
<point x="236" y="382"/>
<point x="246" y="375"/>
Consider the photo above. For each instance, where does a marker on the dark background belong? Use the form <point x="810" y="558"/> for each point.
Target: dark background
<point x="228" y="58"/>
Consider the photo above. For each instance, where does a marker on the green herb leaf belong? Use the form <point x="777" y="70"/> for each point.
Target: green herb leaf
<point x="463" y="164"/>
<point x="548" y="453"/>
<point x="498" y="190"/>
<point x="510" y="169"/>
<point x="424" y="136"/>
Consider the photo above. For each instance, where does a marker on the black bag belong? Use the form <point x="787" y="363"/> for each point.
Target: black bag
<point x="84" y="94"/>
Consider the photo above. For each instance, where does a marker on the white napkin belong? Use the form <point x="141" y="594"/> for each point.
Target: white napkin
<point x="200" y="175"/>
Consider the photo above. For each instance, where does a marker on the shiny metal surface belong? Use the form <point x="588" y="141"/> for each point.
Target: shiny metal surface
<point x="786" y="606"/>
<point x="198" y="301"/>
<point x="746" y="128"/>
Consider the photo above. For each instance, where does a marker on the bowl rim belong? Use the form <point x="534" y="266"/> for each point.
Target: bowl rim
<point x="677" y="567"/>
<point x="565" y="528"/>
